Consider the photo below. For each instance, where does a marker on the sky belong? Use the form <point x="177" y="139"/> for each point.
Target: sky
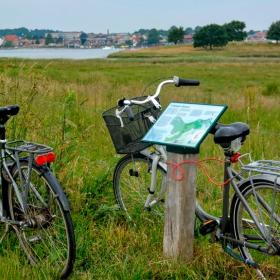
<point x="131" y="15"/>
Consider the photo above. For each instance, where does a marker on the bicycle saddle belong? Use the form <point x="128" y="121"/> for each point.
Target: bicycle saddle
<point x="7" y="111"/>
<point x="225" y="133"/>
<point x="11" y="110"/>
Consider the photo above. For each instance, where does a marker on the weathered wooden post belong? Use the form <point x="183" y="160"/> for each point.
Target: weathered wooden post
<point x="180" y="209"/>
<point x="181" y="128"/>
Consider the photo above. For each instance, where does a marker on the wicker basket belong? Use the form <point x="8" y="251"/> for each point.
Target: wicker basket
<point x="127" y="139"/>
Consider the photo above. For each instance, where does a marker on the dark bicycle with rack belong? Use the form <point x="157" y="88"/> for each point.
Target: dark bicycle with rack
<point x="249" y="229"/>
<point x="33" y="203"/>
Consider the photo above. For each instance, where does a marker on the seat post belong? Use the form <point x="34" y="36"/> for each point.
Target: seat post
<point x="226" y="192"/>
<point x="2" y="132"/>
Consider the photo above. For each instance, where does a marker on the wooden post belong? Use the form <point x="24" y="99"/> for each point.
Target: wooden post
<point x="180" y="210"/>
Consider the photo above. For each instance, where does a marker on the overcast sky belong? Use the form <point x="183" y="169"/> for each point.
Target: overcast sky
<point x="131" y="15"/>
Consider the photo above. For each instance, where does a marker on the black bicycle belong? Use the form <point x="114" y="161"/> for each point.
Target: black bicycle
<point x="33" y="202"/>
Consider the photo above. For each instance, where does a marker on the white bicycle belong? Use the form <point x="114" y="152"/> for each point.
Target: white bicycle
<point x="249" y="229"/>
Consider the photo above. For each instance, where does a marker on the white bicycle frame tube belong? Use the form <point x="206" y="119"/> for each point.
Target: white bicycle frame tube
<point x="158" y="158"/>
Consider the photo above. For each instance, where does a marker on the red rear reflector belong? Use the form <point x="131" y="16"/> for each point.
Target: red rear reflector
<point x="234" y="158"/>
<point x="45" y="158"/>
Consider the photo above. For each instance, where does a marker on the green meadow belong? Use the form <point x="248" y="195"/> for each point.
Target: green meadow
<point x="61" y="105"/>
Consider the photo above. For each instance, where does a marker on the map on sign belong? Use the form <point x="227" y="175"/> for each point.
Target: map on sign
<point x="184" y="124"/>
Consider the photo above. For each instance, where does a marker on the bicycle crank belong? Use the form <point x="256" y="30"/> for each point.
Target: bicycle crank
<point x="208" y="227"/>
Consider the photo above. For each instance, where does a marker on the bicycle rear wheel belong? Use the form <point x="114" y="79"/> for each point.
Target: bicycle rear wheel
<point x="263" y="197"/>
<point x="48" y="236"/>
<point x="131" y="182"/>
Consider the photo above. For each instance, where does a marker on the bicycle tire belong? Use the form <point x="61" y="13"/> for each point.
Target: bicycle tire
<point x="244" y="228"/>
<point x="49" y="208"/>
<point x="131" y="190"/>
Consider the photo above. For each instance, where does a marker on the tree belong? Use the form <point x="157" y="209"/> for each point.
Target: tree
<point x="274" y="31"/>
<point x="251" y="32"/>
<point x="83" y="38"/>
<point x="129" y="43"/>
<point x="197" y="28"/>
<point x="8" y="44"/>
<point x="176" y="34"/>
<point x="235" y="30"/>
<point x="49" y="39"/>
<point x="153" y="37"/>
<point x="212" y="35"/>
<point x="189" y="31"/>
<point x="59" y="40"/>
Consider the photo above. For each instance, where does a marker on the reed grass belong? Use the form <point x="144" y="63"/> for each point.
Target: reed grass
<point x="61" y="105"/>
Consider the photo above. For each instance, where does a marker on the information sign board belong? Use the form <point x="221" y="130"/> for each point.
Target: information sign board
<point x="184" y="124"/>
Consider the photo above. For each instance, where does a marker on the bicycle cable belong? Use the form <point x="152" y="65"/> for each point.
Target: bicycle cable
<point x="177" y="168"/>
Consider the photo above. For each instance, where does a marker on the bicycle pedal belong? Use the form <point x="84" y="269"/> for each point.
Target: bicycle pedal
<point x="208" y="227"/>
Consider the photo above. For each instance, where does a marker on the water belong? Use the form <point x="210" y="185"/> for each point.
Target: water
<point x="49" y="53"/>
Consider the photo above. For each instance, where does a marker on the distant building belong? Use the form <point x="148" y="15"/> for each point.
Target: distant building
<point x="14" y="39"/>
<point x="188" y="39"/>
<point x="257" y="37"/>
<point x="122" y="38"/>
<point x="25" y="43"/>
<point x="55" y="35"/>
<point x="137" y="40"/>
<point x="96" y="40"/>
<point x="1" y="42"/>
<point x="70" y="37"/>
<point x="163" y="40"/>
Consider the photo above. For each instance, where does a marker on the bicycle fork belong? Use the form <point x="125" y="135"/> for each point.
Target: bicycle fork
<point x="150" y="201"/>
<point x="158" y="159"/>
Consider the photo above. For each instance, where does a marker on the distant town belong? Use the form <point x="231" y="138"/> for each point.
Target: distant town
<point x="39" y="38"/>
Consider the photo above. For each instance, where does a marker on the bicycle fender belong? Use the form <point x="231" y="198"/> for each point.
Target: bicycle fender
<point x="57" y="188"/>
<point x="260" y="177"/>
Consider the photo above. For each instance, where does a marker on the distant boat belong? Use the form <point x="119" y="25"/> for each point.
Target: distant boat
<point x="108" y="48"/>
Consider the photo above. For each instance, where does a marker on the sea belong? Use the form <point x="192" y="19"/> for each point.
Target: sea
<point x="56" y="53"/>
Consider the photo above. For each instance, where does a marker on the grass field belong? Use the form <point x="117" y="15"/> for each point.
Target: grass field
<point x="61" y="105"/>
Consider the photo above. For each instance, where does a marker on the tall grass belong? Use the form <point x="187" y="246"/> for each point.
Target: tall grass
<point x="61" y="105"/>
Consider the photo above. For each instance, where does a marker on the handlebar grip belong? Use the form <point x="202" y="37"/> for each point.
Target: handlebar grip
<point x="130" y="113"/>
<point x="184" y="82"/>
<point x="121" y="102"/>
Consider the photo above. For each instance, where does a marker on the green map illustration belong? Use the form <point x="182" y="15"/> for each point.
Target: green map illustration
<point x="181" y="129"/>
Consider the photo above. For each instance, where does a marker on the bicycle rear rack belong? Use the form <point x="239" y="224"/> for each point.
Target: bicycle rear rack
<point x="270" y="167"/>
<point x="21" y="146"/>
<point x="15" y="152"/>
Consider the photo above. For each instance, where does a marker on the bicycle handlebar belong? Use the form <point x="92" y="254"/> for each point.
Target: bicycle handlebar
<point x="126" y="103"/>
<point x="183" y="82"/>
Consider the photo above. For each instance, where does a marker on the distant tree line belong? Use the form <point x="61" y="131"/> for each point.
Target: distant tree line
<point x="26" y="33"/>
<point x="208" y="36"/>
<point x="214" y="35"/>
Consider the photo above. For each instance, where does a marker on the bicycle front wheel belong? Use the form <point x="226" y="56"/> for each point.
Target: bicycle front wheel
<point x="131" y="183"/>
<point x="262" y="196"/>
<point x="47" y="236"/>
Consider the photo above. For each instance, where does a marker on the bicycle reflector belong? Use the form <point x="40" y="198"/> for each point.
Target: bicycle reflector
<point x="45" y="158"/>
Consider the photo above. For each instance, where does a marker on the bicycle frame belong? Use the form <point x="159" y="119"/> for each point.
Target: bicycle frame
<point x="3" y="182"/>
<point x="10" y="157"/>
<point x="159" y="158"/>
